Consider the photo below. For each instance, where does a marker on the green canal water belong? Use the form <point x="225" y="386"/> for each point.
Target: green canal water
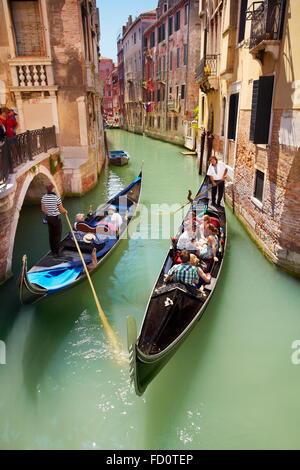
<point x="231" y="385"/>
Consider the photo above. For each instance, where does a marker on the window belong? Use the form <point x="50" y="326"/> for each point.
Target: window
<point x="223" y="116"/>
<point x="261" y="109"/>
<point x="158" y="95"/>
<point x="134" y="38"/>
<point x="182" y="92"/>
<point x="186" y="14"/>
<point x="202" y="109"/>
<point x="259" y="185"/>
<point x="169" y="124"/>
<point x="177" y="20"/>
<point x="242" y="22"/>
<point x="170" y="91"/>
<point x="185" y="54"/>
<point x="233" y="114"/>
<point x="27" y="25"/>
<point x="178" y="57"/>
<point x="177" y="92"/>
<point x="161" y="33"/>
<point x="152" y="39"/>
<point x="158" y="122"/>
<point x="170" y="28"/>
<point x="145" y="42"/>
<point x="165" y="7"/>
<point x="171" y="61"/>
<point x="175" y="123"/>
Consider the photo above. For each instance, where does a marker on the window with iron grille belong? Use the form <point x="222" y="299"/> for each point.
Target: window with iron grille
<point x="259" y="185"/>
<point x="177" y="20"/>
<point x="178" y="57"/>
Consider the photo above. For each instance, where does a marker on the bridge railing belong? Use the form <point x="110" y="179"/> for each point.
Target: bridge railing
<point x="24" y="147"/>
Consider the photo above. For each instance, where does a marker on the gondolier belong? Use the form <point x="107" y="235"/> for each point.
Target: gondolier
<point x="217" y="173"/>
<point x="52" y="207"/>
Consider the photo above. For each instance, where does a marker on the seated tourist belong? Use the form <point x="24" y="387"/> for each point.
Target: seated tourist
<point x="208" y="247"/>
<point x="204" y="223"/>
<point x="111" y="223"/>
<point x="184" y="272"/>
<point x="188" y="239"/>
<point x="78" y="219"/>
<point x="204" y="278"/>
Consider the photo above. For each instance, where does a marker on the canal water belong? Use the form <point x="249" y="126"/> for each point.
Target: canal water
<point x="231" y="385"/>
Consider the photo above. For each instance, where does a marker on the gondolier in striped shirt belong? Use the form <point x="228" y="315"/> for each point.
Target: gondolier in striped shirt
<point x="52" y="207"/>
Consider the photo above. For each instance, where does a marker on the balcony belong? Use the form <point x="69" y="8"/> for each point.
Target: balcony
<point x="267" y="19"/>
<point x="161" y="76"/>
<point x="206" y="73"/>
<point x="31" y="74"/>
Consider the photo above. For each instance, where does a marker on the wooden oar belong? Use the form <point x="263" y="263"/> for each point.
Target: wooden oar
<point x="111" y="336"/>
<point x="190" y="200"/>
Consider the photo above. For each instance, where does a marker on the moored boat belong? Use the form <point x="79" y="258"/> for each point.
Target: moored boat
<point x="52" y="274"/>
<point x="173" y="308"/>
<point x="118" y="157"/>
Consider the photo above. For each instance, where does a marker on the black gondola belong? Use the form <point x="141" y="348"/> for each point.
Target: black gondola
<point x="173" y="309"/>
<point x="50" y="274"/>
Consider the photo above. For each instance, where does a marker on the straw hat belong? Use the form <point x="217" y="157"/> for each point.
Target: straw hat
<point x="89" y="238"/>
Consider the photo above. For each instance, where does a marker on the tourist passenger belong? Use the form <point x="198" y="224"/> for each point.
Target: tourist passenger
<point x="114" y="218"/>
<point x="217" y="173"/>
<point x="204" y="278"/>
<point x="208" y="247"/>
<point x="3" y="116"/>
<point x="52" y="207"/>
<point x="187" y="240"/>
<point x="184" y="272"/>
<point x="11" y="123"/>
<point x="205" y="221"/>
<point x="78" y="219"/>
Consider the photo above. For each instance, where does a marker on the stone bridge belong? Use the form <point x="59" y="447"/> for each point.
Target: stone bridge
<point x="23" y="176"/>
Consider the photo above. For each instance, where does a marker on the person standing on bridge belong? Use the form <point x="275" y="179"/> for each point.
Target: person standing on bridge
<point x="52" y="208"/>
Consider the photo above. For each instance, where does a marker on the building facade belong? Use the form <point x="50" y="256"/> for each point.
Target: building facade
<point x="49" y="71"/>
<point x="171" y="50"/>
<point x="106" y="68"/>
<point x="133" y="70"/>
<point x="121" y="80"/>
<point x="249" y="114"/>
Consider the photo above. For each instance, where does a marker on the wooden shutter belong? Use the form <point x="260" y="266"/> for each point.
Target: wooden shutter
<point x="233" y="113"/>
<point x="254" y="109"/>
<point x="261" y="109"/>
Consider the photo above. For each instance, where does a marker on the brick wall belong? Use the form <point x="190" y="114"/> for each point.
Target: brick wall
<point x="275" y="224"/>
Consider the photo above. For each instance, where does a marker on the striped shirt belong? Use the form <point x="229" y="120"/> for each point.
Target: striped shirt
<point x="51" y="203"/>
<point x="185" y="273"/>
